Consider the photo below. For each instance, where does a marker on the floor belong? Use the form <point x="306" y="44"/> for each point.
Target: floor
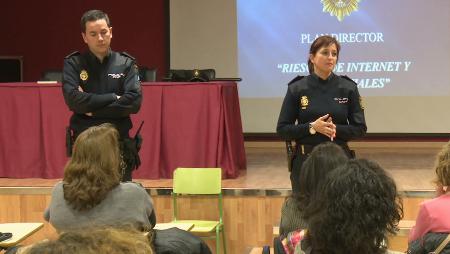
<point x="409" y="163"/>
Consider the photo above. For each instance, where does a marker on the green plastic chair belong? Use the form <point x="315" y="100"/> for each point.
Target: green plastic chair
<point x="200" y="181"/>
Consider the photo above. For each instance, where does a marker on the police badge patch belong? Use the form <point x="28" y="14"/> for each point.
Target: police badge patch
<point x="361" y="104"/>
<point x="84" y="75"/>
<point x="340" y="8"/>
<point x="304" y="102"/>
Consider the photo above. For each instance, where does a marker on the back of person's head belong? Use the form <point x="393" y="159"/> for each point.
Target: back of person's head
<point x="93" y="169"/>
<point x="93" y="15"/>
<point x="356" y="208"/>
<point x="324" y="158"/>
<point x="442" y="166"/>
<point x="94" y="241"/>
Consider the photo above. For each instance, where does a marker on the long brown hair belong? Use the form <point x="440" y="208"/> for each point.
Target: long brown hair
<point x="93" y="170"/>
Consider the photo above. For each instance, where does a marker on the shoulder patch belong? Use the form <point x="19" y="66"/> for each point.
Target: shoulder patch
<point x="349" y="79"/>
<point x="127" y="55"/>
<point x="295" y="79"/>
<point x="75" y="53"/>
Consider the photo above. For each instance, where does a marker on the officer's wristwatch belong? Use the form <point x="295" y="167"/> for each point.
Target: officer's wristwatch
<point x="312" y="131"/>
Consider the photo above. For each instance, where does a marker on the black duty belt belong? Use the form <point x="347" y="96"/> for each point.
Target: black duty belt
<point x="307" y="149"/>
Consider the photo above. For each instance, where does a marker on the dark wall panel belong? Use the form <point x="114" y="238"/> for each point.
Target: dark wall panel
<point x="43" y="32"/>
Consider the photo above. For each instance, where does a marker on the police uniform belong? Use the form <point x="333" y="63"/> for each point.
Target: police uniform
<point x="311" y="97"/>
<point x="101" y="82"/>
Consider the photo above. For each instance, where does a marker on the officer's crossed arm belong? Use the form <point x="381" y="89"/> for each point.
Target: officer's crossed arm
<point x="81" y="90"/>
<point x="127" y="103"/>
<point x="77" y="100"/>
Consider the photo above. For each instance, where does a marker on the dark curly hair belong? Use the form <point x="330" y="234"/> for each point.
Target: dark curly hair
<point x="324" y="158"/>
<point x="357" y="207"/>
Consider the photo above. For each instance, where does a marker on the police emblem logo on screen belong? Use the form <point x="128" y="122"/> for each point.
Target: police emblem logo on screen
<point x="84" y="75"/>
<point x="304" y="102"/>
<point x="340" y="8"/>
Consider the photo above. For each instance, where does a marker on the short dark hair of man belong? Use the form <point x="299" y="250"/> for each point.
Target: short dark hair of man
<point x="93" y="15"/>
<point x="356" y="208"/>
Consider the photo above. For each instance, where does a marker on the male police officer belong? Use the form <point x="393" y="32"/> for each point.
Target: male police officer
<point x="101" y="86"/>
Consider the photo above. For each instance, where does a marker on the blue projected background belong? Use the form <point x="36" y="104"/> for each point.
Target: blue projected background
<point x="390" y="48"/>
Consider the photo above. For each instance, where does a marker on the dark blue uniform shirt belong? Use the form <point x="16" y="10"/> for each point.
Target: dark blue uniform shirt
<point x="101" y="82"/>
<point x="310" y="97"/>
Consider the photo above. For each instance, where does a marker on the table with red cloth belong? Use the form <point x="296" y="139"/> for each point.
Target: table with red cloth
<point x="186" y="125"/>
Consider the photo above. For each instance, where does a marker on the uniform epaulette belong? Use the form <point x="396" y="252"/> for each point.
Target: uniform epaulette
<point x="75" y="53"/>
<point x="127" y="55"/>
<point x="349" y="79"/>
<point x="295" y="79"/>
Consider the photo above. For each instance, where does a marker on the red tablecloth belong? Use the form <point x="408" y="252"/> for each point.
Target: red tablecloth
<point x="186" y="125"/>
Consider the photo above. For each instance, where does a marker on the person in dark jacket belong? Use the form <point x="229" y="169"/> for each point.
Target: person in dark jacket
<point x="320" y="107"/>
<point x="102" y="86"/>
<point x="322" y="160"/>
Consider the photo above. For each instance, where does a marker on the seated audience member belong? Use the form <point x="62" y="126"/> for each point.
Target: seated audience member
<point x="95" y="241"/>
<point x="354" y="210"/>
<point x="91" y="193"/>
<point x="324" y="158"/>
<point x="434" y="214"/>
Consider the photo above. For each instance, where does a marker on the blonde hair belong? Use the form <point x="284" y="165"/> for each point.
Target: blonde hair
<point x="442" y="166"/>
<point x="93" y="170"/>
<point x="93" y="241"/>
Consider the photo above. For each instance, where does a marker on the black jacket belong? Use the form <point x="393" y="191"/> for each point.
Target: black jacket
<point x="310" y="97"/>
<point x="101" y="83"/>
<point x="177" y="241"/>
<point x="428" y="243"/>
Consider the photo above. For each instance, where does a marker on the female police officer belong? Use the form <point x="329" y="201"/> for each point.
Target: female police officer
<point x="320" y="107"/>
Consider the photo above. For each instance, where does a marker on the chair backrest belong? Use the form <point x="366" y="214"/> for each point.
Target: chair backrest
<point x="194" y="75"/>
<point x="52" y="75"/>
<point x="197" y="181"/>
<point x="147" y="75"/>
